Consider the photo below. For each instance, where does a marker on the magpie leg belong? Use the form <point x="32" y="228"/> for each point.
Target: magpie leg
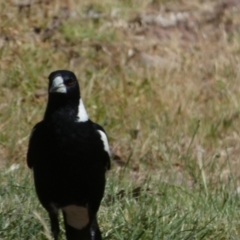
<point x="94" y="230"/>
<point x="54" y="224"/>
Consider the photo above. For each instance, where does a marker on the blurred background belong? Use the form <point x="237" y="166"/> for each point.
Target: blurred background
<point x="162" y="78"/>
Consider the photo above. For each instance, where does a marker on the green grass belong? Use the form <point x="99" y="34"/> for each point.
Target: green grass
<point x="156" y="211"/>
<point x="167" y="97"/>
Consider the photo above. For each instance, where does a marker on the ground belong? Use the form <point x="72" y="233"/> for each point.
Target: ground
<point x="162" y="77"/>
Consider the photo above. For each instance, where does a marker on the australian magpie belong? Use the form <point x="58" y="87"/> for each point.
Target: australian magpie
<point x="69" y="155"/>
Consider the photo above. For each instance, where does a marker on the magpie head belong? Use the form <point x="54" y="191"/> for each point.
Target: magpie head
<point x="63" y="82"/>
<point x="64" y="93"/>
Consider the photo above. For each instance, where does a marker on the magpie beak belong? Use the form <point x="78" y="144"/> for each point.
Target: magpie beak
<point x="58" y="85"/>
<point x="69" y="155"/>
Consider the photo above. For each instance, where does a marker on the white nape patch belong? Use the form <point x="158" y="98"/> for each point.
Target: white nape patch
<point x="82" y="113"/>
<point x="58" y="85"/>
<point x="105" y="142"/>
<point x="76" y="216"/>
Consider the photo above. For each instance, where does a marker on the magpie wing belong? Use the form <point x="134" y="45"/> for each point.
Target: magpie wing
<point x="104" y="139"/>
<point x="33" y="145"/>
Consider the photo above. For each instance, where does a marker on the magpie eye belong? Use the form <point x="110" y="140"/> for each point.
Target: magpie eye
<point x="69" y="82"/>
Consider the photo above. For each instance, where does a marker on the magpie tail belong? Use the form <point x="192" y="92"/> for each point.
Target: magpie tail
<point x="90" y="232"/>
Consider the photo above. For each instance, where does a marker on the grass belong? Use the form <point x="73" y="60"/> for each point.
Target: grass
<point x="156" y="211"/>
<point x="167" y="97"/>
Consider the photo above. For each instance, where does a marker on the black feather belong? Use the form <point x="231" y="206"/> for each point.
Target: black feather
<point x="68" y="160"/>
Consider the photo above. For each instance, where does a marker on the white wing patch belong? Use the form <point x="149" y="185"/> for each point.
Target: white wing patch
<point x="105" y="142"/>
<point x="76" y="216"/>
<point x="82" y="113"/>
<point x="58" y="85"/>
